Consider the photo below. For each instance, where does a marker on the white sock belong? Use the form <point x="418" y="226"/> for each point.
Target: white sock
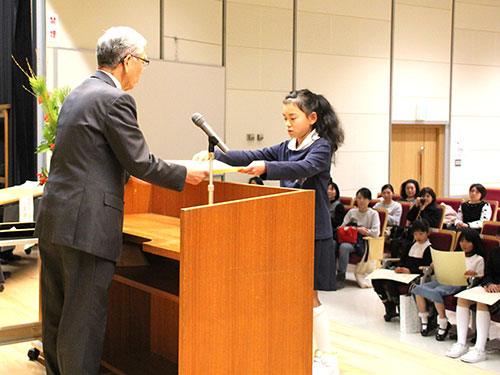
<point x="321" y="329"/>
<point x="443" y="323"/>
<point x="424" y="317"/>
<point x="483" y="321"/>
<point x="462" y="324"/>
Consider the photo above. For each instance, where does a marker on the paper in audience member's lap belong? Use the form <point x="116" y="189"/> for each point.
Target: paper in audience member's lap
<point x="478" y="294"/>
<point x="449" y="267"/>
<point x="219" y="167"/>
<point x="384" y="274"/>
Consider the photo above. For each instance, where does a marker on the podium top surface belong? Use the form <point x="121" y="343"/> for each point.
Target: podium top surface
<point x="13" y="194"/>
<point x="162" y="234"/>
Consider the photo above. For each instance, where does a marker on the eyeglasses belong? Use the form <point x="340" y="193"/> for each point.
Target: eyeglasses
<point x="145" y="62"/>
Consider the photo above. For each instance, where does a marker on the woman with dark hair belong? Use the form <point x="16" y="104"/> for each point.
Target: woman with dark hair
<point x="256" y="181"/>
<point x="425" y="207"/>
<point x="474" y="212"/>
<point x="409" y="191"/>
<point x="336" y="207"/>
<point x="470" y="243"/>
<point x="393" y="208"/>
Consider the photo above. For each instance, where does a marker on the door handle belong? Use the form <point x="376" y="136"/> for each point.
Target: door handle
<point x="421" y="165"/>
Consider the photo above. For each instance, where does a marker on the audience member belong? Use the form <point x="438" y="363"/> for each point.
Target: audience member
<point x="337" y="210"/>
<point x="368" y="224"/>
<point x="474" y="212"/>
<point x="426" y="208"/>
<point x="409" y="191"/>
<point x="433" y="291"/>
<point x="256" y="181"/>
<point x="393" y="208"/>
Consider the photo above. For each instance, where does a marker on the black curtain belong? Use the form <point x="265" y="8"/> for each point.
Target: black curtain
<point x="17" y="37"/>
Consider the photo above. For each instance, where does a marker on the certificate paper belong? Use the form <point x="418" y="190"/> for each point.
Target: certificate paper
<point x="384" y="274"/>
<point x="449" y="267"/>
<point x="219" y="167"/>
<point x="478" y="294"/>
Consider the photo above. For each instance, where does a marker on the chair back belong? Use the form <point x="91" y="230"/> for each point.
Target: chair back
<point x="494" y="208"/>
<point x="346" y="201"/>
<point x="492" y="194"/>
<point x="441" y="221"/>
<point x="489" y="242"/>
<point x="442" y="239"/>
<point x="490" y="228"/>
<point x="453" y="202"/>
<point x="383" y="216"/>
<point x="405" y="207"/>
<point x="373" y="202"/>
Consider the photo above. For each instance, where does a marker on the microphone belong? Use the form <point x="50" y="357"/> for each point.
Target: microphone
<point x="199" y="121"/>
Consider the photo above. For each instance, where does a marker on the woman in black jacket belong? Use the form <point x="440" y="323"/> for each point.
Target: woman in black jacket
<point x="425" y="207"/>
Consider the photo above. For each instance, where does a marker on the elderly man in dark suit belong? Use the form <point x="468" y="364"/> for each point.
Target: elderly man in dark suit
<point x="79" y="226"/>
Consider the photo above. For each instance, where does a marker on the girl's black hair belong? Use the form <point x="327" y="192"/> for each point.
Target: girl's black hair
<point x="472" y="235"/>
<point x="430" y="191"/>
<point x="328" y="125"/>
<point x="331" y="183"/>
<point x="257" y="180"/>
<point x="387" y="186"/>
<point x="365" y="193"/>
<point x="403" y="188"/>
<point x="479" y="188"/>
<point x="420" y="225"/>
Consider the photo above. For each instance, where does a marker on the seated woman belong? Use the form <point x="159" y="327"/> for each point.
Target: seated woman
<point x="368" y="224"/>
<point x="416" y="255"/>
<point x="426" y="208"/>
<point x="470" y="244"/>
<point x="409" y="191"/>
<point x="337" y="210"/>
<point x="491" y="284"/>
<point x="474" y="212"/>
<point x="393" y="208"/>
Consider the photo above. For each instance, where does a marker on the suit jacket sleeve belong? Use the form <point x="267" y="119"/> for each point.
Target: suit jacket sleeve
<point x="128" y="144"/>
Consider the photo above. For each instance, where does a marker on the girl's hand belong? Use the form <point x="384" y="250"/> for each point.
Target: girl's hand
<point x="462" y="225"/>
<point x="255" y="168"/>
<point x="201" y="156"/>
<point x="363" y="231"/>
<point x="492" y="288"/>
<point x="432" y="266"/>
<point x="470" y="273"/>
<point x="402" y="270"/>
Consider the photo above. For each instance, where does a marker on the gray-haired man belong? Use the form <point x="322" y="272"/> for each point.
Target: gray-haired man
<point x="79" y="226"/>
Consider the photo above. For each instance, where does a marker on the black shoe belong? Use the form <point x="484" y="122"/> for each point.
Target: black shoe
<point x="8" y="256"/>
<point x="427" y="328"/>
<point x="442" y="336"/>
<point x="340" y="281"/>
<point x="390" y="311"/>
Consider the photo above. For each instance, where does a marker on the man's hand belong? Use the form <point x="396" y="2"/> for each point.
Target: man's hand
<point x="255" y="168"/>
<point x="201" y="156"/>
<point x="195" y="175"/>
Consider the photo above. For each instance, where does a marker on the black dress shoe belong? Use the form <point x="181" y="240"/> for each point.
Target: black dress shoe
<point x="390" y="311"/>
<point x="425" y="329"/>
<point x="442" y="336"/>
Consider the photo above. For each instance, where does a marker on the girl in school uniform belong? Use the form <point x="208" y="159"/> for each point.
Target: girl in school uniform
<point x="491" y="284"/>
<point x="470" y="243"/>
<point x="304" y="162"/>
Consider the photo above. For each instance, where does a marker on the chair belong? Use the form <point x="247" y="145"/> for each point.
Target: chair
<point x="494" y="209"/>
<point x="453" y="202"/>
<point x="442" y="239"/>
<point x="490" y="228"/>
<point x="346" y="201"/>
<point x="405" y="208"/>
<point x="493" y="194"/>
<point x="441" y="222"/>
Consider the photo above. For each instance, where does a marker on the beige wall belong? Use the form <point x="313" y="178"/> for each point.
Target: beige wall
<point x="475" y="122"/>
<point x="343" y="51"/>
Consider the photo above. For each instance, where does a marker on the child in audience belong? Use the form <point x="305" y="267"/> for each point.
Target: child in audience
<point x="414" y="256"/>
<point x="336" y="207"/>
<point x="426" y="208"/>
<point x="470" y="243"/>
<point x="474" y="212"/>
<point x="304" y="162"/>
<point x="409" y="191"/>
<point x="368" y="224"/>
<point x="393" y="208"/>
<point x="256" y="181"/>
<point x="491" y="284"/>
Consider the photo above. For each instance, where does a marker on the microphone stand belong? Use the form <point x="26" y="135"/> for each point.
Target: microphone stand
<point x="212" y="142"/>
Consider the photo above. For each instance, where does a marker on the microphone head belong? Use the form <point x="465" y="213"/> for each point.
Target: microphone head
<point x="197" y="118"/>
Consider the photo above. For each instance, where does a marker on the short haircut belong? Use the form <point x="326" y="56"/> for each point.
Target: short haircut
<point x="428" y="190"/>
<point x="403" y="188"/>
<point x="335" y="186"/>
<point x="420" y="225"/>
<point x="387" y="186"/>
<point x="116" y="43"/>
<point x="479" y="188"/>
<point x="365" y="193"/>
<point x="471" y="235"/>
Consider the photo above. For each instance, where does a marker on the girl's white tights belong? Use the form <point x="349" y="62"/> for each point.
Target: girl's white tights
<point x="321" y="329"/>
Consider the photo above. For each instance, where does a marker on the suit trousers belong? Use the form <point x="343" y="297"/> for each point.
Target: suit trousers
<point x="74" y="288"/>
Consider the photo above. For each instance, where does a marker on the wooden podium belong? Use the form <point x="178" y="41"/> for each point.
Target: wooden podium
<point x="227" y="288"/>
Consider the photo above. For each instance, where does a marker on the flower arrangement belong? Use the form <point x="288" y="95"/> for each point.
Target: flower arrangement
<point x="51" y="103"/>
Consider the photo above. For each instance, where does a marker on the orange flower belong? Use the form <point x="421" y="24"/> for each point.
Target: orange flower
<point x="46" y="118"/>
<point x="40" y="99"/>
<point x="51" y="146"/>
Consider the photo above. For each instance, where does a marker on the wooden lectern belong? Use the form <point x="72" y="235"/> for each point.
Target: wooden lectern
<point x="219" y="289"/>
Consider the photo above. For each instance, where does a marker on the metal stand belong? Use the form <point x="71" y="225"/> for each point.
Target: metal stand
<point x="212" y="141"/>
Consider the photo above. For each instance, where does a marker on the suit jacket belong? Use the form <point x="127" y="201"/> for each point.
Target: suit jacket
<point x="98" y="141"/>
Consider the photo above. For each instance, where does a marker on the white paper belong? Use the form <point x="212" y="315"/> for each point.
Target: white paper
<point x="26" y="208"/>
<point x="449" y="267"/>
<point x="218" y="166"/>
<point x="385" y="274"/>
<point x="478" y="294"/>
